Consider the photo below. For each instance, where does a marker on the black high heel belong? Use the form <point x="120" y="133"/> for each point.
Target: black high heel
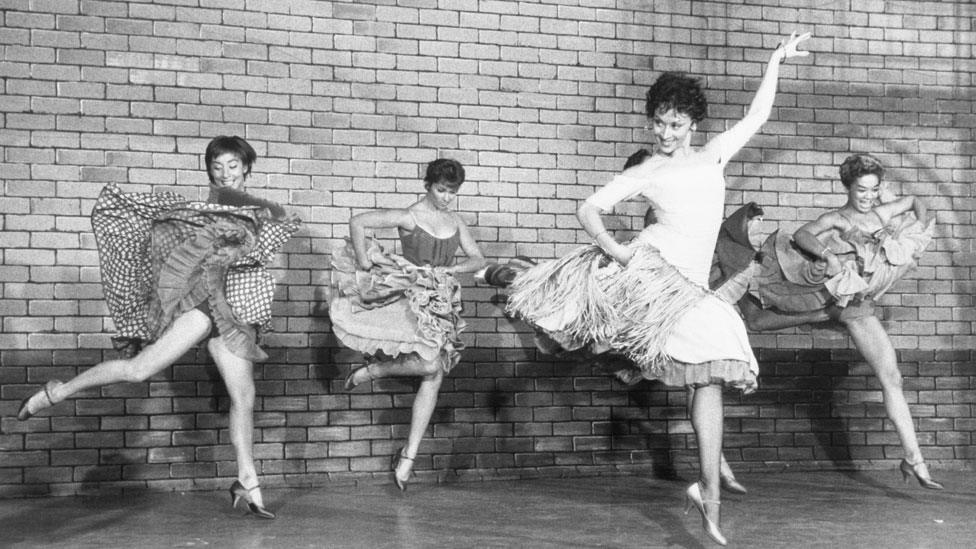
<point x="693" y="497"/>
<point x="239" y="492"/>
<point x="394" y="462"/>
<point x="39" y="397"/>
<point x="731" y="485"/>
<point x="921" y="473"/>
<point x="350" y="382"/>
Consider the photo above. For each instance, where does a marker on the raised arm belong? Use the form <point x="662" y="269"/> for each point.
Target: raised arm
<point x="902" y="205"/>
<point x="762" y="104"/>
<point x="475" y="259"/>
<point x="379" y="219"/>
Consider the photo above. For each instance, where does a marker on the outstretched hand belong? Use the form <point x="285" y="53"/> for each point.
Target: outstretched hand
<point x="789" y="46"/>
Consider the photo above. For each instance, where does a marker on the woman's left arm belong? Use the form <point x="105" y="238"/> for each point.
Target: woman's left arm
<point x="899" y="206"/>
<point x="475" y="259"/>
<point x="762" y="104"/>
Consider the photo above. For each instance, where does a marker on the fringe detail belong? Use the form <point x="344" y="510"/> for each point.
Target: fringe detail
<point x="651" y="300"/>
<point x="590" y="299"/>
<point x="570" y="284"/>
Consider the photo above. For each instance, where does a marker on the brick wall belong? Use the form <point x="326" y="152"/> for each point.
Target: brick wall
<point x="542" y="101"/>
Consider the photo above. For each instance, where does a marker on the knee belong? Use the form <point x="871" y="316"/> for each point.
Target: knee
<point x="433" y="373"/>
<point x="135" y="370"/>
<point x="890" y="378"/>
<point x="241" y="395"/>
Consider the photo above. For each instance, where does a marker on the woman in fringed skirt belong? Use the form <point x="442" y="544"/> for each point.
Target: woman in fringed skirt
<point x="648" y="299"/>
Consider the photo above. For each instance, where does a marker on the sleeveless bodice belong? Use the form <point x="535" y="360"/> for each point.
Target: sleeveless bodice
<point x="422" y="248"/>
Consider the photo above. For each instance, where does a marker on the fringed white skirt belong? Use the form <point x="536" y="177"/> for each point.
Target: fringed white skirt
<point x="670" y="328"/>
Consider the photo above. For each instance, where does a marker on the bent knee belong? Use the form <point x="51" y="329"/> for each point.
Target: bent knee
<point x="891" y="379"/>
<point x="432" y="371"/>
<point x="136" y="371"/>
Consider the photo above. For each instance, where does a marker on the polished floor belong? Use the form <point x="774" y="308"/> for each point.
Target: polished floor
<point x="816" y="509"/>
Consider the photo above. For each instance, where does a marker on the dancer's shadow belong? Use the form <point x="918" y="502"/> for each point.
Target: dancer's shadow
<point x="328" y="357"/>
<point x="820" y="397"/>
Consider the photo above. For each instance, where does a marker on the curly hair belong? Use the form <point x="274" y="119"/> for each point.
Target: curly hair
<point x="857" y="166"/>
<point x="448" y="171"/>
<point x="674" y="90"/>
<point x="233" y="145"/>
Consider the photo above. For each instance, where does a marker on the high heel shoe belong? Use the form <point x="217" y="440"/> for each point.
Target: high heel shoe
<point x="38" y="401"/>
<point x="731" y="485"/>
<point x="694" y="497"/>
<point x="350" y="383"/>
<point x="239" y="492"/>
<point x="394" y="463"/>
<point x="921" y="473"/>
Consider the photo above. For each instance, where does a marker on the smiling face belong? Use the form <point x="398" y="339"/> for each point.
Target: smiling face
<point x="228" y="170"/>
<point x="441" y="194"/>
<point x="672" y="130"/>
<point x="864" y="193"/>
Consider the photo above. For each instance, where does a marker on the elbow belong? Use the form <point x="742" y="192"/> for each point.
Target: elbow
<point x="584" y="212"/>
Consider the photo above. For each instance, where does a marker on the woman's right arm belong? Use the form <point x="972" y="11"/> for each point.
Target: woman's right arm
<point x="806" y="238"/>
<point x="379" y="219"/>
<point x="589" y="217"/>
<point x="622" y="187"/>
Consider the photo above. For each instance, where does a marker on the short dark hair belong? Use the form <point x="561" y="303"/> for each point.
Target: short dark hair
<point x="444" y="170"/>
<point x="234" y="145"/>
<point x="637" y="158"/>
<point x="857" y="166"/>
<point x="674" y="90"/>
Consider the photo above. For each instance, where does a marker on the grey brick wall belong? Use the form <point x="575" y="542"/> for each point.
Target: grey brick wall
<point x="346" y="102"/>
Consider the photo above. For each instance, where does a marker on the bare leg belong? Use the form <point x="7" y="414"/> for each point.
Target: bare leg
<point x="238" y="375"/>
<point x="726" y="476"/>
<point x="188" y="329"/>
<point x="423" y="404"/>
<point x="423" y="408"/>
<point x="707" y="418"/>
<point x="873" y="342"/>
<point x="402" y="366"/>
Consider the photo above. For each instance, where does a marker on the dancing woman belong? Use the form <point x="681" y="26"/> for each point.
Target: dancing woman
<point x="648" y="299"/>
<point x="404" y="312"/>
<point x="176" y="273"/>
<point x="836" y="267"/>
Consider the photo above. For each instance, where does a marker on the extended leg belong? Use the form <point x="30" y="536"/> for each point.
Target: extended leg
<point x="873" y="342"/>
<point x="188" y="329"/>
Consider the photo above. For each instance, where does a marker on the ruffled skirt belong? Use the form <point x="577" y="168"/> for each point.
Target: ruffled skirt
<point x="668" y="327"/>
<point x="162" y="256"/>
<point x="791" y="281"/>
<point x="396" y="308"/>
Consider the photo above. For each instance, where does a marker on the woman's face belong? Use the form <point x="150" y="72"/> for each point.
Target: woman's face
<point x="228" y="170"/>
<point x="864" y="193"/>
<point x="672" y="130"/>
<point x="441" y="195"/>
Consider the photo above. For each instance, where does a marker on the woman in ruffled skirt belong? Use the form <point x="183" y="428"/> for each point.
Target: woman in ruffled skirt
<point x="835" y="268"/>
<point x="649" y="300"/>
<point x="177" y="272"/>
<point x="404" y="311"/>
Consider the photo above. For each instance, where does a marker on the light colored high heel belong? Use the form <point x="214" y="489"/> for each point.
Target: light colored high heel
<point x="239" y="492"/>
<point x="694" y="497"/>
<point x="40" y="400"/>
<point x="921" y="473"/>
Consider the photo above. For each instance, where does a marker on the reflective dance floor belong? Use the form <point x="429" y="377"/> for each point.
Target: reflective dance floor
<point x="871" y="509"/>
